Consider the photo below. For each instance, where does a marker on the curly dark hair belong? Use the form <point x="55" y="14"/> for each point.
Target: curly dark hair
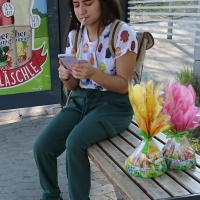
<point x="111" y="11"/>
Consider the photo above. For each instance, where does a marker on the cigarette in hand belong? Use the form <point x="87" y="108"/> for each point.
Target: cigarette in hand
<point x="82" y="22"/>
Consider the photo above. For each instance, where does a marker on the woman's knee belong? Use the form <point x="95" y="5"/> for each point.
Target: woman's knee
<point x="38" y="147"/>
<point x="41" y="145"/>
<point x="74" y="144"/>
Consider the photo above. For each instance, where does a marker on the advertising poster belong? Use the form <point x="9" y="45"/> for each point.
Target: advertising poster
<point x="24" y="47"/>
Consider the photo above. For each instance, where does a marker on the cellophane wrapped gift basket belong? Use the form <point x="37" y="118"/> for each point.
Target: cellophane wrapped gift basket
<point x="146" y="160"/>
<point x="179" y="103"/>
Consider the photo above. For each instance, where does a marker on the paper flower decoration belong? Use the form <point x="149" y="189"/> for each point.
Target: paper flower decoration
<point x="180" y="105"/>
<point x="147" y="160"/>
<point x="147" y="105"/>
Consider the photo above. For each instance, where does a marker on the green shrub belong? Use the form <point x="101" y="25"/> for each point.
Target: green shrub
<point x="184" y="77"/>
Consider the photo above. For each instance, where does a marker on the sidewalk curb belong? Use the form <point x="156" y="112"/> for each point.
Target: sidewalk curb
<point x="20" y="113"/>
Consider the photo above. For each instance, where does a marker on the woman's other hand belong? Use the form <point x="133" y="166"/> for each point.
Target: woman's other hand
<point x="82" y="70"/>
<point x="64" y="73"/>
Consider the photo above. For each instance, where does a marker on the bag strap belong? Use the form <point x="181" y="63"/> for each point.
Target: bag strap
<point x="149" y="41"/>
<point x="145" y="42"/>
<point x="116" y="25"/>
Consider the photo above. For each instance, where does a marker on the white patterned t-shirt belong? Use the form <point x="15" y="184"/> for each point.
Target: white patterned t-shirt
<point x="98" y="53"/>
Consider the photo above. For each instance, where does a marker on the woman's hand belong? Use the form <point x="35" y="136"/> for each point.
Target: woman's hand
<point x="82" y="70"/>
<point x="64" y="73"/>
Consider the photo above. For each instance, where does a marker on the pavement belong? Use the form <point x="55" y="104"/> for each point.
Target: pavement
<point x="19" y="129"/>
<point x="18" y="172"/>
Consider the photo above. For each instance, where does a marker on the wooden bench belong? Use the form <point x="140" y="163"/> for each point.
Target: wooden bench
<point x="110" y="155"/>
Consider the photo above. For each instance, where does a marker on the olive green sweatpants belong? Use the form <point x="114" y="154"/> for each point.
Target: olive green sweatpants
<point x="91" y="116"/>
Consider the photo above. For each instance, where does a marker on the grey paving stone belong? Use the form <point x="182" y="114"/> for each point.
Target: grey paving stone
<point x="33" y="186"/>
<point x="12" y="175"/>
<point x="31" y="172"/>
<point x="114" y="195"/>
<point x="14" y="188"/>
<point x="6" y="171"/>
<point x="16" y="138"/>
<point x="24" y="198"/>
<point x="24" y="156"/>
<point x="61" y="161"/>
<point x="26" y="161"/>
<point x="7" y="183"/>
<point x="26" y="179"/>
<point x="102" y="190"/>
<point x="28" y="193"/>
<point x="95" y="185"/>
<point x="2" y="151"/>
<point x="9" y="154"/>
<point x="61" y="175"/>
<point x="63" y="182"/>
<point x="10" y="196"/>
<point x="63" y="188"/>
<point x="37" y="198"/>
<point x="13" y="146"/>
<point x="94" y="169"/>
<point x="2" y="142"/>
<point x="100" y="178"/>
<point x="102" y="197"/>
<point x="5" y="165"/>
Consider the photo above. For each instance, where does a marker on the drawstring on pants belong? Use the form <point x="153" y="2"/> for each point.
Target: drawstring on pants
<point x="89" y="98"/>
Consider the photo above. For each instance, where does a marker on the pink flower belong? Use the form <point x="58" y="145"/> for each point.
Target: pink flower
<point x="180" y="105"/>
<point x="191" y="119"/>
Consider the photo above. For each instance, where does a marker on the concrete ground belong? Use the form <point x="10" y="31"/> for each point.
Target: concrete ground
<point x="19" y="129"/>
<point x="18" y="172"/>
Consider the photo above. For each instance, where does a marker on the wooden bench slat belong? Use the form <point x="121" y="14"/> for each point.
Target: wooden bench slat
<point x="149" y="186"/>
<point x="121" y="144"/>
<point x="187" y="197"/>
<point x="192" y="185"/>
<point x="195" y="173"/>
<point x="123" y="184"/>
<point x="130" y="138"/>
<point x="172" y="187"/>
